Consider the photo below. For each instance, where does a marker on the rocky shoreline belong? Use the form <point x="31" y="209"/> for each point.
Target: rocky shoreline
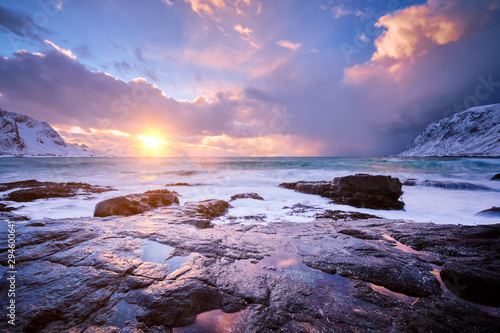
<point x="147" y="264"/>
<point x="159" y="272"/>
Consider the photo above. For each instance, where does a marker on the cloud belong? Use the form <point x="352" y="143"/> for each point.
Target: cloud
<point x="218" y="57"/>
<point x="122" y="66"/>
<point x="138" y="54"/>
<point x="216" y="8"/>
<point x="243" y="31"/>
<point x="246" y="34"/>
<point x="418" y="74"/>
<point x="62" y="91"/>
<point x="413" y="32"/>
<point x="289" y="45"/>
<point x="66" y="52"/>
<point x="20" y="24"/>
<point x="340" y="11"/>
<point x="83" y="51"/>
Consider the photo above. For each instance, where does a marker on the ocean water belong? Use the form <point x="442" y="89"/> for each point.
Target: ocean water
<point x="220" y="178"/>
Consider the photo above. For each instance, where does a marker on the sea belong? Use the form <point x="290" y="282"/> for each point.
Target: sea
<point x="223" y="177"/>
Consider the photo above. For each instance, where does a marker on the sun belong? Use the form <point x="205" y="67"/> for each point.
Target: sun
<point x="152" y="143"/>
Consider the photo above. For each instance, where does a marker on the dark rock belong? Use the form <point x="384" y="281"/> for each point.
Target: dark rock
<point x="135" y="203"/>
<point x="36" y="224"/>
<point x="361" y="190"/>
<point x="447" y="185"/>
<point x="13" y="217"/>
<point x="342" y="215"/>
<point x="359" y="234"/>
<point x="5" y="208"/>
<point x="496" y="177"/>
<point x="200" y="213"/>
<point x="301" y="208"/>
<point x="474" y="284"/>
<point x="433" y="314"/>
<point x="246" y="196"/>
<point x="492" y="212"/>
<point x="259" y="217"/>
<point x="209" y="209"/>
<point x="322" y="276"/>
<point x="31" y="190"/>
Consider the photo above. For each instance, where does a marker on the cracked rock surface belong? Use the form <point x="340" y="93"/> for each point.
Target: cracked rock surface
<point x="158" y="272"/>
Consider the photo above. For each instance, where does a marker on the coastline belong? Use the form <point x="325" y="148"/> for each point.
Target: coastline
<point x="374" y="274"/>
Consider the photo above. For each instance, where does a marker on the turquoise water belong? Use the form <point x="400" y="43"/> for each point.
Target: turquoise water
<point x="222" y="177"/>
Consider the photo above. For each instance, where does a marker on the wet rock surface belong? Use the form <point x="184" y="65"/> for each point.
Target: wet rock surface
<point x="491" y="212"/>
<point x="5" y="208"/>
<point x="135" y="203"/>
<point x="475" y="284"/>
<point x="496" y="177"/>
<point x="361" y="190"/>
<point x="91" y="275"/>
<point x="30" y="190"/>
<point x="343" y="215"/>
<point x="246" y="196"/>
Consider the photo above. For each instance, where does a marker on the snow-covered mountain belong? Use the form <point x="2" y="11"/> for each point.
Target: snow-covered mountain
<point x="22" y="135"/>
<point x="473" y="132"/>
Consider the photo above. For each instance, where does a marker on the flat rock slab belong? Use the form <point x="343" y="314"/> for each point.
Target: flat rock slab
<point x="87" y="275"/>
<point x="30" y="190"/>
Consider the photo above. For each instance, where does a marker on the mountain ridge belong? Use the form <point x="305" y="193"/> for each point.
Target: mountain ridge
<point x="474" y="132"/>
<point x="21" y="135"/>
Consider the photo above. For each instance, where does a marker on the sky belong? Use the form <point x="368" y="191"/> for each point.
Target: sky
<point x="247" y="77"/>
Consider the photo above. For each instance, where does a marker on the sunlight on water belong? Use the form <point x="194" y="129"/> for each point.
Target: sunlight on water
<point x="221" y="178"/>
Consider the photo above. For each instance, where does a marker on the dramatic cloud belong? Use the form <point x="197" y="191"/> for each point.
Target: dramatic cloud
<point x="100" y="106"/>
<point x="413" y="32"/>
<point x="230" y="77"/>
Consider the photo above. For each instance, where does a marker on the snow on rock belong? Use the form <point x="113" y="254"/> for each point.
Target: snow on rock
<point x="473" y="132"/>
<point x="23" y="136"/>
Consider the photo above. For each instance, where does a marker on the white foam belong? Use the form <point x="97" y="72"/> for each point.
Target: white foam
<point x="220" y="181"/>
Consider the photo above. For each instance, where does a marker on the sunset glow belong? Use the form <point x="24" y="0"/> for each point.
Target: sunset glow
<point x="248" y="77"/>
<point x="152" y="144"/>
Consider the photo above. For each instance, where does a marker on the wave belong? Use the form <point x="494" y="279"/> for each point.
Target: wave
<point x="449" y="185"/>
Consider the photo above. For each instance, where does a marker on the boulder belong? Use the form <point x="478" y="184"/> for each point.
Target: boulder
<point x="135" y="203"/>
<point x="492" y="212"/>
<point x="200" y="213"/>
<point x="496" y="177"/>
<point x="361" y="190"/>
<point x="246" y="196"/>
